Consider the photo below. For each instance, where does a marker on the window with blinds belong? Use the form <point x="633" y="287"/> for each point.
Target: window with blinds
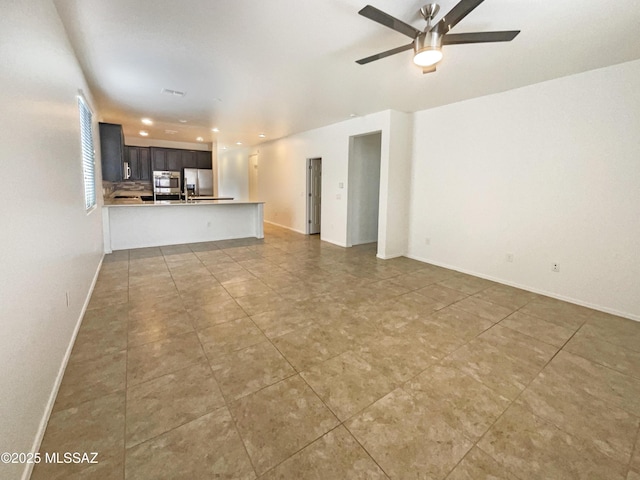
<point x="88" y="155"/>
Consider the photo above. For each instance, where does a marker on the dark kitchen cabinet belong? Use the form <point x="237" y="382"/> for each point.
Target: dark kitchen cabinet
<point x="174" y="160"/>
<point x="158" y="159"/>
<point x="177" y="160"/>
<point x="139" y="159"/>
<point x="189" y="159"/>
<point x="203" y="159"/>
<point x="111" y="151"/>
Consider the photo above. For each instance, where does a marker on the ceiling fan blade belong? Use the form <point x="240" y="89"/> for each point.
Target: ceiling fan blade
<point x="388" y="53"/>
<point x="372" y="13"/>
<point x="430" y="69"/>
<point x="479" y="37"/>
<point x="457" y="13"/>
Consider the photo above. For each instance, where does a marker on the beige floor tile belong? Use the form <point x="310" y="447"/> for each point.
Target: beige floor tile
<point x="462" y="324"/>
<point x="87" y="379"/>
<point x="466" y="283"/>
<point x="246" y="371"/>
<point x="483" y="309"/>
<point x="248" y="287"/>
<point x="616" y="330"/>
<point x="108" y="469"/>
<point x="154" y="328"/>
<point x="601" y="382"/>
<point x="336" y="455"/>
<point x="478" y="465"/>
<point x="504" y="360"/>
<point x="264" y="302"/>
<point x="356" y="327"/>
<point x="279" y="420"/>
<point x="408" y="439"/>
<point x="506" y="296"/>
<point x="635" y="460"/>
<point x="280" y="322"/>
<point x="166" y="402"/>
<point x="214" y="312"/>
<point x="93" y="426"/>
<point x="533" y="449"/>
<point x="348" y="383"/>
<point x="235" y="274"/>
<point x="537" y="328"/>
<point x="101" y="335"/>
<point x="207" y="447"/>
<point x="556" y="311"/>
<point x="442" y="294"/>
<point x="309" y="346"/>
<point x="604" y="353"/>
<point x="152" y="360"/>
<point x="399" y="357"/>
<point x="463" y="402"/>
<point x="606" y="427"/>
<point x="225" y="338"/>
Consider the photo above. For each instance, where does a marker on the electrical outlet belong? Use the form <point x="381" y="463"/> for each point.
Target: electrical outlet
<point x="555" y="267"/>
<point x="427" y="241"/>
<point x="338" y="196"/>
<point x="509" y="257"/>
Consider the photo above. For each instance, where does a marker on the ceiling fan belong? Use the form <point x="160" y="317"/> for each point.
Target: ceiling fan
<point x="427" y="44"/>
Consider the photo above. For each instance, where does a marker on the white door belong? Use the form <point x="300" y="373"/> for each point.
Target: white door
<point x="253" y="177"/>
<point x="314" y="190"/>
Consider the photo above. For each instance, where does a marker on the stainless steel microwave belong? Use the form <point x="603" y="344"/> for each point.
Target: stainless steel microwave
<point x="166" y="183"/>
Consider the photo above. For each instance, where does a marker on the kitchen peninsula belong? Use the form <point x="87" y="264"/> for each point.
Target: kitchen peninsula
<point x="153" y="224"/>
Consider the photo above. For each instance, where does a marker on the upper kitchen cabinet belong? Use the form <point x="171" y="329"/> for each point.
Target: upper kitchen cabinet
<point x="203" y="159"/>
<point x="139" y="159"/>
<point x="174" y="160"/>
<point x="111" y="151"/>
<point x="158" y="159"/>
<point x="189" y="159"/>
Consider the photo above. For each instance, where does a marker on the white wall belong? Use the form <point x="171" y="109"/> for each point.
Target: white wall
<point x="233" y="173"/>
<point x="282" y="177"/>
<point x="549" y="173"/>
<point x="49" y="244"/>
<point x="364" y="188"/>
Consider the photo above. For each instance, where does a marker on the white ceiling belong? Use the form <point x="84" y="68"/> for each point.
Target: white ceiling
<point x="284" y="66"/>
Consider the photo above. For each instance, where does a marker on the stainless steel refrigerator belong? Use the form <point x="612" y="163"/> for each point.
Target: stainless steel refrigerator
<point x="201" y="179"/>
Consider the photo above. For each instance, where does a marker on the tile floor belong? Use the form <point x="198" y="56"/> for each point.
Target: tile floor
<point x="291" y="358"/>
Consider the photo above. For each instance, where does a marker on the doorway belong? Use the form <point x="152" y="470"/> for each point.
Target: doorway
<point x="314" y="195"/>
<point x="253" y="177"/>
<point x="365" y="156"/>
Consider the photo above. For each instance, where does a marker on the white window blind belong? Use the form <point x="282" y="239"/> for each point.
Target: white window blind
<point x="88" y="156"/>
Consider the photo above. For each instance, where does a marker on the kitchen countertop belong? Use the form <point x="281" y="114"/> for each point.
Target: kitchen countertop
<point x="125" y="202"/>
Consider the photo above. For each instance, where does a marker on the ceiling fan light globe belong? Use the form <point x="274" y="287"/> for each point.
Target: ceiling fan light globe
<point x="427" y="57"/>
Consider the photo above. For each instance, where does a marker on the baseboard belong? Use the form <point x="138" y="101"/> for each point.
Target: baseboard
<point x="575" y="301"/>
<point x="389" y="257"/>
<point x="26" y="474"/>
<point x="285" y="227"/>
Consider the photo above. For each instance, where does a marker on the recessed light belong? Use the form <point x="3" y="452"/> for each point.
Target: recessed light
<point x="171" y="132"/>
<point x="262" y="135"/>
<point x="216" y="129"/>
<point x="224" y="148"/>
<point x="200" y="139"/>
<point x="353" y="115"/>
<point x="182" y="121"/>
<point x="144" y="133"/>
<point x="238" y="143"/>
<point x="147" y="121"/>
<point x="176" y="93"/>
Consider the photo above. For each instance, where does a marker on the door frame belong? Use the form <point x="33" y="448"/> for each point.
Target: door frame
<point x="309" y="201"/>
